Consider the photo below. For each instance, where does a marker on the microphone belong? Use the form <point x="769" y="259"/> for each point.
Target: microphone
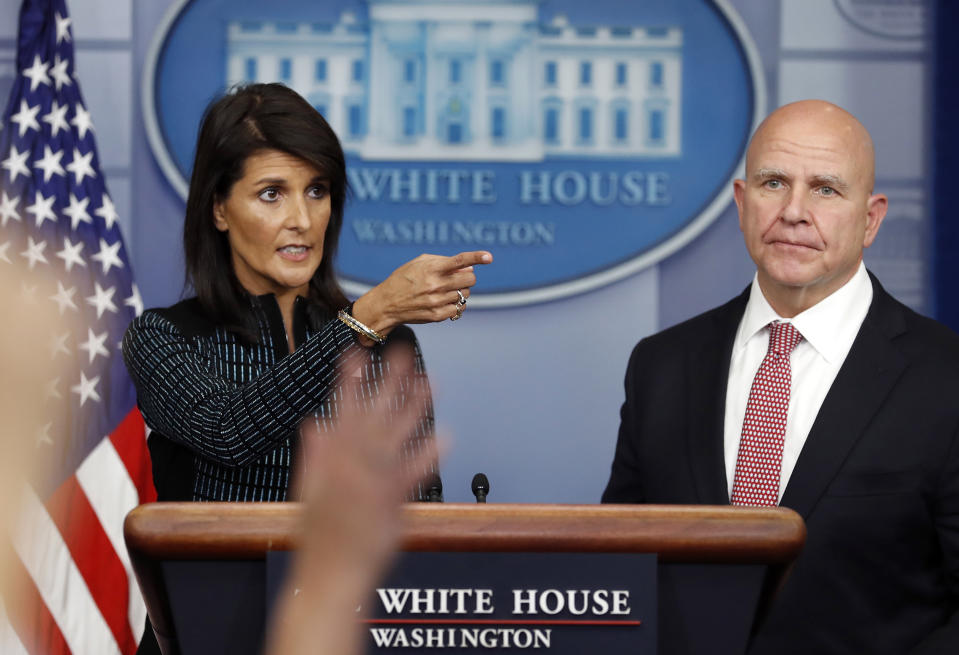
<point x="434" y="491"/>
<point x="480" y="487"/>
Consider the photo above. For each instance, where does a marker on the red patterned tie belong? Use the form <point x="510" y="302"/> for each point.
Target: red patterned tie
<point x="759" y="462"/>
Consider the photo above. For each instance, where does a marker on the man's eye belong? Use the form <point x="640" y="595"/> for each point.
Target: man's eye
<point x="269" y="194"/>
<point x="827" y="191"/>
<point x="773" y="184"/>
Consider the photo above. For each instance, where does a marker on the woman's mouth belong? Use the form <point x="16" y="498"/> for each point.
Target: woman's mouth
<point x="293" y="253"/>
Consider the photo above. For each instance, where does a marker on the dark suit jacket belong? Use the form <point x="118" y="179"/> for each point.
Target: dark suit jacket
<point x="877" y="481"/>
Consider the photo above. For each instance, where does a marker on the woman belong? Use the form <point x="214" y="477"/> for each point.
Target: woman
<point x="225" y="379"/>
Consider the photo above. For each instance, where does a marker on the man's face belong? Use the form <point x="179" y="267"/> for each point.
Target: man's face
<point x="805" y="207"/>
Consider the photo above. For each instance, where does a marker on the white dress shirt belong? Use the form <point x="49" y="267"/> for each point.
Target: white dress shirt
<point x="828" y="329"/>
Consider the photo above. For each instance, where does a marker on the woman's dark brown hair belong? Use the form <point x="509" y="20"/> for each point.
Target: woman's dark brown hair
<point x="249" y="119"/>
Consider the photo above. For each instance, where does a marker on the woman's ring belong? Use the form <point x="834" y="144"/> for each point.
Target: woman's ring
<point x="459" y="313"/>
<point x="462" y="300"/>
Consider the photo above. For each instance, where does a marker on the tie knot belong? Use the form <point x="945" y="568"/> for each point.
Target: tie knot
<point x="783" y="337"/>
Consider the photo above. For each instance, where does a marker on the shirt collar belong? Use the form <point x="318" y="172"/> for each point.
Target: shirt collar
<point x="830" y="326"/>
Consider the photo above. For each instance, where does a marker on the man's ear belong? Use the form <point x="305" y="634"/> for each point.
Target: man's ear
<point x="876" y="207"/>
<point x="219" y="217"/>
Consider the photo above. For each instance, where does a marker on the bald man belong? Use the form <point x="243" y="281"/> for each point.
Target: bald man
<point x="814" y="390"/>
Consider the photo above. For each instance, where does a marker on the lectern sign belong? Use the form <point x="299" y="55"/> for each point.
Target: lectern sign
<point x="560" y="602"/>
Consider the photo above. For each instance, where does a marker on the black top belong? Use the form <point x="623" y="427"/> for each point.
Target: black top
<point x="225" y="412"/>
<point x="877" y="483"/>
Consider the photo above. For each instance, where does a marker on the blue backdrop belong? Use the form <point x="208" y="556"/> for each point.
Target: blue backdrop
<point x="531" y="394"/>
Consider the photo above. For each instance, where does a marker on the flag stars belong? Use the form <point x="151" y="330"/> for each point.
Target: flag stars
<point x="37" y="73"/>
<point x="64" y="298"/>
<point x="102" y="299"/>
<point x="26" y="118"/>
<point x="8" y="208"/>
<point x="28" y="293"/>
<point x="42" y="208"/>
<point x="77" y="211"/>
<point x="82" y="121"/>
<point x="87" y="389"/>
<point x="63" y="28"/>
<point x="59" y="72"/>
<point x="50" y="163"/>
<point x="57" y="118"/>
<point x="71" y="254"/>
<point x="59" y="344"/>
<point x="43" y="435"/>
<point x="107" y="212"/>
<point x="108" y="255"/>
<point x="34" y="252"/>
<point x="135" y="301"/>
<point x="16" y="163"/>
<point x="51" y="391"/>
<point x="81" y="166"/>
<point x="94" y="345"/>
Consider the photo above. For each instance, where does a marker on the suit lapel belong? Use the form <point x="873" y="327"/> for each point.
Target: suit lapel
<point x="707" y="370"/>
<point x="869" y="373"/>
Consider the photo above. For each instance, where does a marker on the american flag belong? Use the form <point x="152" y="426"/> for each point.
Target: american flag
<point x="76" y="590"/>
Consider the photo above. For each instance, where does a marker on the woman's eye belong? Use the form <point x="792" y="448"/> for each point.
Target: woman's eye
<point x="318" y="191"/>
<point x="269" y="194"/>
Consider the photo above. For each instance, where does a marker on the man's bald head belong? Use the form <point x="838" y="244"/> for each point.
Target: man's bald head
<point x="824" y="120"/>
<point x="806" y="205"/>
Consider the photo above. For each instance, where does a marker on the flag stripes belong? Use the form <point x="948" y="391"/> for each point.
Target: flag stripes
<point x="46" y="557"/>
<point x="94" y="556"/>
<point x="9" y="642"/>
<point x="131" y="446"/>
<point x="111" y="505"/>
<point x="36" y="631"/>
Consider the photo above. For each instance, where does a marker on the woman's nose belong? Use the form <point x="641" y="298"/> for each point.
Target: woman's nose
<point x="298" y="217"/>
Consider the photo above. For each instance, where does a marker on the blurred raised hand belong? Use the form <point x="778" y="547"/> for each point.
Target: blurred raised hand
<point x="26" y="369"/>
<point x="353" y="483"/>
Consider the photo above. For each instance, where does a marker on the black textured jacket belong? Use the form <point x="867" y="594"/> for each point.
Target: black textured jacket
<point x="225" y="412"/>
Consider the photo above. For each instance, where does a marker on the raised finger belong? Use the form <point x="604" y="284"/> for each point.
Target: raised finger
<point x="354" y="410"/>
<point x="407" y="418"/>
<point x="405" y="415"/>
<point x="399" y="367"/>
<point x="379" y="431"/>
<point x="421" y="466"/>
<point x="467" y="259"/>
<point x="351" y="376"/>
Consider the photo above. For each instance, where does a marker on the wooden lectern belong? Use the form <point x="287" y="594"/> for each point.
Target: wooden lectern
<point x="201" y="565"/>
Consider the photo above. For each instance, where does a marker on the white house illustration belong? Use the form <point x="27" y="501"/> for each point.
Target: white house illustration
<point x="474" y="80"/>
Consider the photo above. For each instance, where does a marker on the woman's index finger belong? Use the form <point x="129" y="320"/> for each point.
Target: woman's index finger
<point x="467" y="259"/>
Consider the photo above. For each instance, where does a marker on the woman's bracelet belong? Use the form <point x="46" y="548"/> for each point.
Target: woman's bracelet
<point x="346" y="316"/>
